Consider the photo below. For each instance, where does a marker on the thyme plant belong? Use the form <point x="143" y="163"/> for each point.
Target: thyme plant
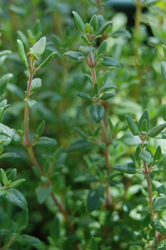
<point x="82" y="152"/>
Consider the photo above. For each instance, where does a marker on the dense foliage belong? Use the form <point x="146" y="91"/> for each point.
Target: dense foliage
<point x="82" y="126"/>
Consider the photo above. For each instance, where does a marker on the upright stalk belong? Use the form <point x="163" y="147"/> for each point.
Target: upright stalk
<point x="150" y="192"/>
<point x="138" y="17"/>
<point x="29" y="146"/>
<point x="104" y="133"/>
<point x="92" y="68"/>
<point x="103" y="128"/>
<point x="147" y="174"/>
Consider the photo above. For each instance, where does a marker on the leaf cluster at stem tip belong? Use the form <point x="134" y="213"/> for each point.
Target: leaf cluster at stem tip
<point x="36" y="51"/>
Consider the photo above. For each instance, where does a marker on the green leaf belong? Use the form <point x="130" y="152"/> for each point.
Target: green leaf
<point x="107" y="96"/>
<point x="89" y="29"/>
<point x="108" y="86"/>
<point x="124" y="33"/>
<point x="55" y="228"/>
<point x="157" y="226"/>
<point x="45" y="142"/>
<point x="103" y="28"/>
<point x="84" y="96"/>
<point x="164" y="49"/>
<point x="2" y="193"/>
<point x="149" y="2"/>
<point x="144" y="126"/>
<point x="16" y="183"/>
<point x="3" y="176"/>
<point x="21" y="52"/>
<point x="8" y="155"/>
<point x="100" y="21"/>
<point x="96" y="198"/>
<point x="160" y="188"/>
<point x="128" y="168"/>
<point x="159" y="204"/>
<point x="157" y="154"/>
<point x="145" y="116"/>
<point x="5" y="52"/>
<point x="12" y="175"/>
<point x="85" y="40"/>
<point x="137" y="152"/>
<point x="79" y="22"/>
<point x="40" y="129"/>
<point x="23" y="38"/>
<point x="164" y="112"/>
<point x="110" y="62"/>
<point x="29" y="240"/>
<point x="163" y="225"/>
<point x="42" y="193"/>
<point x="6" y="135"/>
<point x="132" y="125"/>
<point x="156" y="130"/>
<point x="96" y="89"/>
<point x="73" y="54"/>
<point x="85" y="50"/>
<point x="83" y="135"/>
<point x="31" y="103"/>
<point x="4" y="80"/>
<point x="97" y="112"/>
<point x="36" y="172"/>
<point x="162" y="245"/>
<point x="16" y="198"/>
<point x="80" y="144"/>
<point x="22" y="221"/>
<point x="102" y="49"/>
<point x="39" y="47"/>
<point x="46" y="61"/>
<point x="93" y="244"/>
<point x="145" y="156"/>
<point x="94" y="23"/>
<point x="36" y="84"/>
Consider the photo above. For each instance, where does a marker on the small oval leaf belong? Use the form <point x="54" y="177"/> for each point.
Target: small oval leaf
<point x="97" y="112"/>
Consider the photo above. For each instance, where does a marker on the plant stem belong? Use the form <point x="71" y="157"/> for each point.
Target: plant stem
<point x="103" y="128"/>
<point x="104" y="133"/>
<point x="33" y="159"/>
<point x="92" y="68"/>
<point x="99" y="4"/>
<point x="138" y="17"/>
<point x="6" y="247"/>
<point x="147" y="174"/>
<point x="149" y="192"/>
<point x="28" y="145"/>
<point x="28" y="142"/>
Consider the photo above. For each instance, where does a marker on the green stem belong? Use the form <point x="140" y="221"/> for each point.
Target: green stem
<point x="147" y="174"/>
<point x="92" y="68"/>
<point x="138" y="17"/>
<point x="28" y="142"/>
<point x="8" y="244"/>
<point x="33" y="159"/>
<point x="150" y="192"/>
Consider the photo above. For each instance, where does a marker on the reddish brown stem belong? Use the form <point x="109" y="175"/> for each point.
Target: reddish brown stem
<point x="28" y="144"/>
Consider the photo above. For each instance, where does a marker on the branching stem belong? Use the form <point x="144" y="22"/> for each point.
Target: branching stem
<point x="8" y="244"/>
<point x="103" y="128"/>
<point x="28" y="145"/>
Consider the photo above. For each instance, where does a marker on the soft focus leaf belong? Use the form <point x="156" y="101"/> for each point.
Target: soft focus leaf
<point x="97" y="112"/>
